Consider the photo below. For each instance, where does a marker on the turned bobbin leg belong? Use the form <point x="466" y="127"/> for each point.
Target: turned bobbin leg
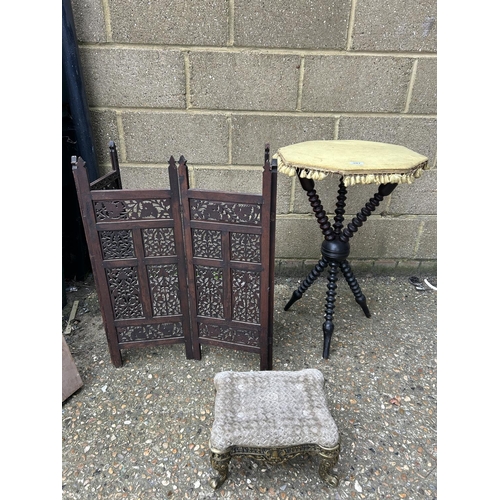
<point x="311" y="278"/>
<point x="334" y="251"/>
<point x="383" y="191"/>
<point x="354" y="286"/>
<point x="340" y="210"/>
<point x="315" y="202"/>
<point x="329" y="307"/>
<point x="326" y="229"/>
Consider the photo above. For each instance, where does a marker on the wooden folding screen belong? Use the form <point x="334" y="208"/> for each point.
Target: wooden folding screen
<point x="181" y="265"/>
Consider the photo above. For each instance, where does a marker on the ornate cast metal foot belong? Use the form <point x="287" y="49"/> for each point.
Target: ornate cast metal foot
<point x="324" y="468"/>
<point x="328" y="460"/>
<point x="220" y="463"/>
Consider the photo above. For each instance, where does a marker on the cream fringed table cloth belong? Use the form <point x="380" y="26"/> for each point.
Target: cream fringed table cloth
<point x="355" y="162"/>
<point x="358" y="162"/>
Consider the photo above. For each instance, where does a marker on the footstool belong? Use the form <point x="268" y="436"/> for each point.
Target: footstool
<point x="272" y="416"/>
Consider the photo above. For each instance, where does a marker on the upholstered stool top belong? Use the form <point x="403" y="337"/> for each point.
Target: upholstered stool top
<point x="359" y="162"/>
<point x="271" y="409"/>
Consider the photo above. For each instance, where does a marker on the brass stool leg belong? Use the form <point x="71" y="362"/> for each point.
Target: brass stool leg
<point x="353" y="284"/>
<point x="328" y="460"/>
<point x="220" y="463"/>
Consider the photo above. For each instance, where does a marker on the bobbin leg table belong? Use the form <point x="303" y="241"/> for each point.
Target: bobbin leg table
<point x="356" y="162"/>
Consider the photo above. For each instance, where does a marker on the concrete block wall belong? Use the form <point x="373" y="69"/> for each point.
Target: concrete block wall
<point x="214" y="80"/>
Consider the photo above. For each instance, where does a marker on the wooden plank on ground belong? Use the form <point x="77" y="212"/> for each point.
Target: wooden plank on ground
<point x="71" y="380"/>
<point x="72" y="316"/>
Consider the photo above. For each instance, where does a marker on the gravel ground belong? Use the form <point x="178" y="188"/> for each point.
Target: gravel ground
<point x="141" y="431"/>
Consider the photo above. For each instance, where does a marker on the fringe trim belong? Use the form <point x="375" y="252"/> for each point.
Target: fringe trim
<point x="352" y="179"/>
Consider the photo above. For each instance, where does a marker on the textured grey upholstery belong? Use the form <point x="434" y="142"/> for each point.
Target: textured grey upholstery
<point x="271" y="409"/>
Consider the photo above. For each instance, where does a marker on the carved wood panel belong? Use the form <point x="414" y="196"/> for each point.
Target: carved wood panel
<point x="181" y="265"/>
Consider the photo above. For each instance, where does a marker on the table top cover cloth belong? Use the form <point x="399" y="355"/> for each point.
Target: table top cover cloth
<point x="358" y="162"/>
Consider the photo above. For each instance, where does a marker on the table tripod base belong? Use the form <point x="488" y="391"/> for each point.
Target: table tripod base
<point x="328" y="325"/>
<point x="335" y="250"/>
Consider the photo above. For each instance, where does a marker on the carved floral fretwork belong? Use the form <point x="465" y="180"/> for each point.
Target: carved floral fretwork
<point x="124" y="287"/>
<point x="246" y="296"/>
<point x="207" y="243"/>
<point x="164" y="284"/>
<point x="116" y="244"/>
<point x="132" y="209"/>
<point x="245" y="247"/>
<point x="209" y="291"/>
<point x="150" y="332"/>
<point x="158" y="241"/>
<point x="218" y="211"/>
<point x="233" y="335"/>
